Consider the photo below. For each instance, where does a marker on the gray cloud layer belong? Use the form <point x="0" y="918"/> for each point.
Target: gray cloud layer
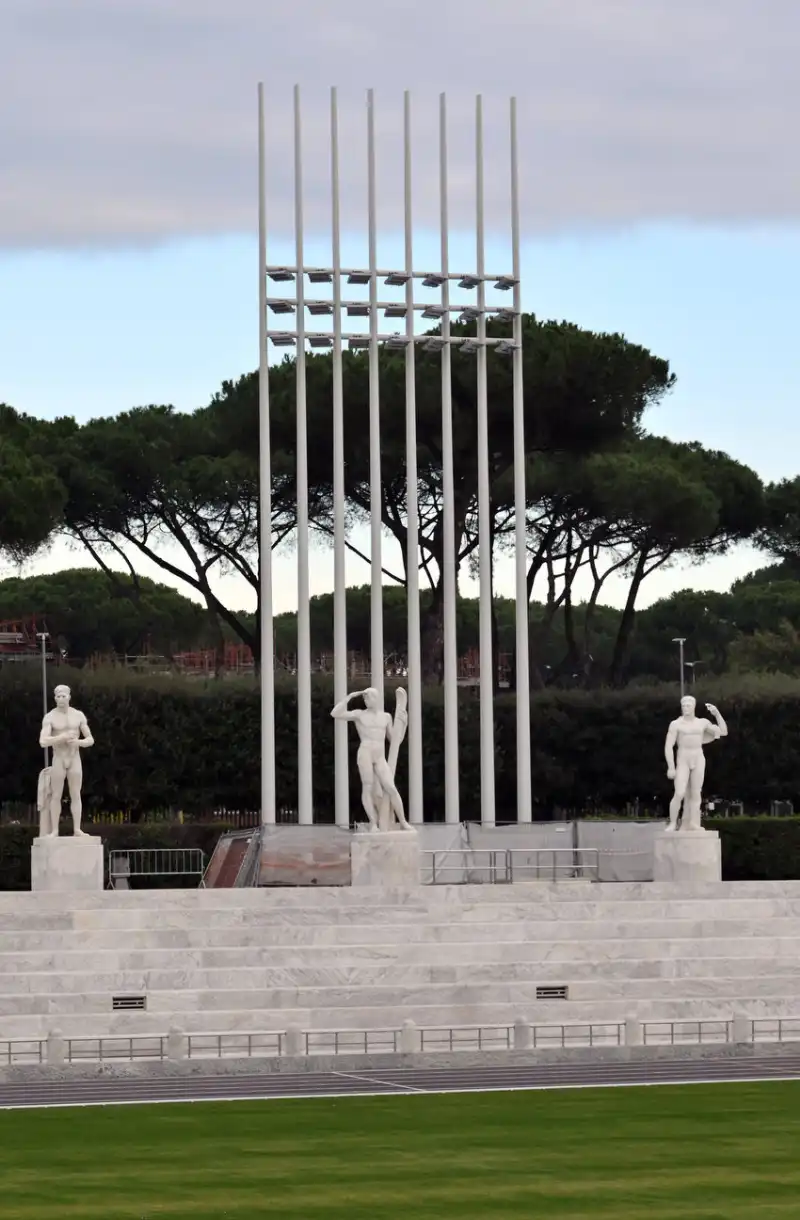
<point x="134" y="120"/>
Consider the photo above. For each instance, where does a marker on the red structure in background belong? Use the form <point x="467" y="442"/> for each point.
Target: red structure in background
<point x="237" y="658"/>
<point x="19" y="642"/>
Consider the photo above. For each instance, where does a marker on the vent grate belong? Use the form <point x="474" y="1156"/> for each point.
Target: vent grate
<point x="127" y="1002"/>
<point x="552" y="993"/>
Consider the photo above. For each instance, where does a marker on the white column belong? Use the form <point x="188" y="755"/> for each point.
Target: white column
<point x="304" y="771"/>
<point x="484" y="520"/>
<point x="376" y="563"/>
<point x="452" y="812"/>
<point x="524" y="794"/>
<point x="267" y="673"/>
<point x="415" y="793"/>
<point x="341" y="780"/>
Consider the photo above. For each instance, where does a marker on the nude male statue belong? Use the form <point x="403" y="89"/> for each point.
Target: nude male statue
<point x="66" y="732"/>
<point x="689" y="733"/>
<point x="375" y="727"/>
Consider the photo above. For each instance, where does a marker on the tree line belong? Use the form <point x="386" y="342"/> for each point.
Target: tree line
<point x="606" y="494"/>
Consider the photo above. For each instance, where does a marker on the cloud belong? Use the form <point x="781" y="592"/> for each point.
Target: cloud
<point x="135" y="121"/>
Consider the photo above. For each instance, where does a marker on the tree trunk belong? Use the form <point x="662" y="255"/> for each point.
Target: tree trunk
<point x="432" y="638"/>
<point x="627" y="623"/>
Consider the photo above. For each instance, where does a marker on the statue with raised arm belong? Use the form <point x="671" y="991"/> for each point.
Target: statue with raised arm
<point x="66" y="732"/>
<point x="375" y="727"/>
<point x="689" y="733"/>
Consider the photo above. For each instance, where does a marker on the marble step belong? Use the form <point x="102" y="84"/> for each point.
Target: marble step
<point x="236" y="956"/>
<point x="393" y="999"/>
<point x="433" y="1015"/>
<point x="149" y="980"/>
<point x="337" y="935"/>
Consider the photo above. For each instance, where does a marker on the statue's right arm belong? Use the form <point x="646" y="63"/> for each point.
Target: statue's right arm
<point x="342" y="710"/>
<point x="669" y="744"/>
<point x="46" y="735"/>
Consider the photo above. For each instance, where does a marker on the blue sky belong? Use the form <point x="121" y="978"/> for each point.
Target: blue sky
<point x="660" y="197"/>
<point x="93" y="333"/>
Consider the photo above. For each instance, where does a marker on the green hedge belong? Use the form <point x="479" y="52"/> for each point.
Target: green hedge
<point x="172" y="744"/>
<point x="753" y="849"/>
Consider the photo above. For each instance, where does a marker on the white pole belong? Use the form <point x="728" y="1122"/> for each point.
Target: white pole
<point x="484" y="518"/>
<point x="375" y="502"/>
<point x="415" y="793"/>
<point x="452" y="812"/>
<point x="341" y="781"/>
<point x="524" y="794"/>
<point x="305" y="813"/>
<point x="267" y="639"/>
<point x="43" y="638"/>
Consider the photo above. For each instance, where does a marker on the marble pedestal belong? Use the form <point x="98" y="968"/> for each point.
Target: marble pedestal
<point x="687" y="857"/>
<point x="387" y="858"/>
<point x="67" y="865"/>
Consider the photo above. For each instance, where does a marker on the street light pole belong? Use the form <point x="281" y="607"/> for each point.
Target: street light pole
<point x="680" y="641"/>
<point x="43" y="636"/>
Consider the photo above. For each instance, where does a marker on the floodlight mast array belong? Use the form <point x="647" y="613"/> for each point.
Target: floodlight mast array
<point x="304" y="299"/>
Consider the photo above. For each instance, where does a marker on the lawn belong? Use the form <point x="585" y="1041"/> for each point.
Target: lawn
<point x="717" y="1152"/>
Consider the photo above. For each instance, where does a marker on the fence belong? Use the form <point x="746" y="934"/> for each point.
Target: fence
<point x="124" y="866"/>
<point x="409" y="1039"/>
<point x="506" y="865"/>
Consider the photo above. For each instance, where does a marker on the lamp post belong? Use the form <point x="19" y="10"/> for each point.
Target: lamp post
<point x="43" y="637"/>
<point x="693" y="666"/>
<point x="680" y="641"/>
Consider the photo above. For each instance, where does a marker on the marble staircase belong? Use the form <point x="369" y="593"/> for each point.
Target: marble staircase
<point x="258" y="959"/>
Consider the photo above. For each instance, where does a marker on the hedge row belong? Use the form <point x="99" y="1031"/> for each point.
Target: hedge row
<point x="753" y="849"/>
<point x="194" y="748"/>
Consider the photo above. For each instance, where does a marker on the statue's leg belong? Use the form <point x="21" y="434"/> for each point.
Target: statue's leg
<point x="395" y="799"/>
<point x="694" y="795"/>
<point x="681" y="782"/>
<point x="74" y="778"/>
<point x="56" y="790"/>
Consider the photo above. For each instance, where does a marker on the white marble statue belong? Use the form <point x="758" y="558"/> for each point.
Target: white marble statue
<point x="382" y="802"/>
<point x="66" y="732"/>
<point x="688" y="767"/>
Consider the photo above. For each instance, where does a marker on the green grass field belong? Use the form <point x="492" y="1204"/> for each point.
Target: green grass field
<point x="718" y="1152"/>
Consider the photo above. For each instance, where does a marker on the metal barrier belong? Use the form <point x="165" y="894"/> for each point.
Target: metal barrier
<point x="515" y="864"/>
<point x="406" y="1040"/>
<point x="248" y="874"/>
<point x="154" y="862"/>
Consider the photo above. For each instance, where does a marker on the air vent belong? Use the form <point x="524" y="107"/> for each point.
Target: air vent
<point x="128" y="1002"/>
<point x="552" y="993"/>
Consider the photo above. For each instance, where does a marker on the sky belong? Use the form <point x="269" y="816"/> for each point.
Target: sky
<point x="659" y="198"/>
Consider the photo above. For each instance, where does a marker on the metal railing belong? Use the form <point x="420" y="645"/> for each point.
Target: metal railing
<point x="514" y="864"/>
<point x="154" y="862"/>
<point x="411" y="1038"/>
<point x="250" y="869"/>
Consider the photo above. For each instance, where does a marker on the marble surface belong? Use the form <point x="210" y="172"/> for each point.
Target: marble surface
<point x="66" y="865"/>
<point x="687" y="857"/>
<point x="385" y="859"/>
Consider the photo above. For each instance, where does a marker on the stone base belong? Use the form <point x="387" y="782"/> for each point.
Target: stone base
<point x="67" y="865"/>
<point x="388" y="858"/>
<point x="687" y="857"/>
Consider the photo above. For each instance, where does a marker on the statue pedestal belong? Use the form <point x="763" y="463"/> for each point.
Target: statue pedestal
<point x="388" y="858"/>
<point x="67" y="865"/>
<point x="687" y="857"/>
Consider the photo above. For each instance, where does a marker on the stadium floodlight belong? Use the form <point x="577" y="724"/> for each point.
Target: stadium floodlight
<point x="358" y="277"/>
<point x="434" y="311"/>
<point x="319" y="309"/>
<point x="433" y="280"/>
<point x="281" y="306"/>
<point x="432" y="343"/>
<point x="505" y="348"/>
<point x="505" y="283"/>
<point x="397" y="342"/>
<point x="505" y="314"/>
<point x="395" y="311"/>
<point x="323" y="341"/>
<point x="470" y="346"/>
<point x="469" y="314"/>
<point x="281" y="275"/>
<point x="468" y="281"/>
<point x="357" y="310"/>
<point x="283" y="338"/>
<point x="396" y="279"/>
<point x="358" y="343"/>
<point x="320" y="276"/>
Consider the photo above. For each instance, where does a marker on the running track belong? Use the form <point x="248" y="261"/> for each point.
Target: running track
<point x="401" y="1081"/>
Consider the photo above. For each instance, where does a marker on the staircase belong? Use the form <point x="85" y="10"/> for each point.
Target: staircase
<point x="249" y="959"/>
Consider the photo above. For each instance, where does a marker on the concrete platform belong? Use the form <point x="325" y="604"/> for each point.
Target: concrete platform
<point x="387" y="858"/>
<point x="687" y="857"/>
<point x="67" y="865"/>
